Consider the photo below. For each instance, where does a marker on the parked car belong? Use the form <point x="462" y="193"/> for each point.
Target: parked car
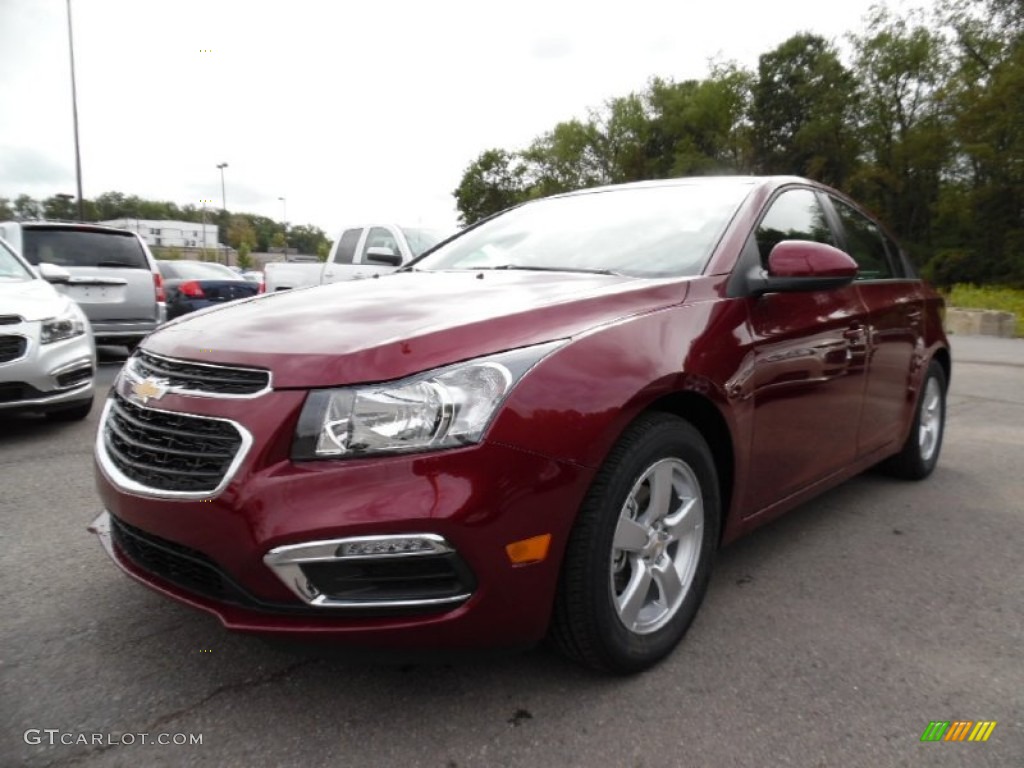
<point x="358" y="252"/>
<point x="192" y="285"/>
<point x="253" y="277"/>
<point x="113" y="275"/>
<point x="588" y="396"/>
<point x="47" y="353"/>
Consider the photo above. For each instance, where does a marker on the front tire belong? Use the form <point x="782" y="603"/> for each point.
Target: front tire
<point x="920" y="453"/>
<point x="639" y="557"/>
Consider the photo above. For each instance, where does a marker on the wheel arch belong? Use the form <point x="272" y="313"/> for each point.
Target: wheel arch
<point x="707" y="419"/>
<point x="942" y="357"/>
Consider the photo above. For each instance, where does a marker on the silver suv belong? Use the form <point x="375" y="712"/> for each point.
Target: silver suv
<point x="113" y="275"/>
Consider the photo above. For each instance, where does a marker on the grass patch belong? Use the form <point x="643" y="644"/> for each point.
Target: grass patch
<point x="989" y="297"/>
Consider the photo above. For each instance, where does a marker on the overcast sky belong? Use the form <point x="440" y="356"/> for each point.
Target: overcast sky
<point x="350" y="110"/>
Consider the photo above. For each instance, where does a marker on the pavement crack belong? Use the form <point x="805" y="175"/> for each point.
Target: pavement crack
<point x="161" y="721"/>
<point x="230" y="688"/>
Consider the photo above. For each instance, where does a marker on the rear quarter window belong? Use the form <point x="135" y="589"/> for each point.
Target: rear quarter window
<point x="83" y="248"/>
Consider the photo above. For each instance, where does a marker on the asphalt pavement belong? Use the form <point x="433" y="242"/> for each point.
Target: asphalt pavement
<point x="831" y="637"/>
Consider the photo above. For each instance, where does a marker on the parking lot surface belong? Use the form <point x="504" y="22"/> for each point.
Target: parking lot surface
<point x="831" y="637"/>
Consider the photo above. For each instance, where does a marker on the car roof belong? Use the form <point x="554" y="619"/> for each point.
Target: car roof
<point x="753" y="181"/>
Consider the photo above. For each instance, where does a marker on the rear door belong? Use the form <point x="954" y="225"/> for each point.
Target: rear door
<point x="895" y="305"/>
<point x="111" y="277"/>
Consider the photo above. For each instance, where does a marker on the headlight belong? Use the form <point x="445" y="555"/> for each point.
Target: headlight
<point x="67" y="325"/>
<point x="444" y="408"/>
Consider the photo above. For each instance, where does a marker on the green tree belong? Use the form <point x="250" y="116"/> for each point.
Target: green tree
<point x="60" y="208"/>
<point x="27" y="208"/>
<point x="240" y="230"/>
<point x="803" y="112"/>
<point x="493" y="182"/>
<point x="701" y="127"/>
<point x="113" y="205"/>
<point x="567" y="158"/>
<point x="323" y="249"/>
<point x="306" y="238"/>
<point x="982" y="200"/>
<point x="6" y="209"/>
<point x="244" y="260"/>
<point x="624" y="138"/>
<point x="900" y="66"/>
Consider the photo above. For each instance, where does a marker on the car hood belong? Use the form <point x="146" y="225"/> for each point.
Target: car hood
<point x="30" y="299"/>
<point x="397" y="325"/>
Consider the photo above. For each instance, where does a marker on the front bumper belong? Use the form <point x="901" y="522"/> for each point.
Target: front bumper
<point x="478" y="499"/>
<point x="47" y="375"/>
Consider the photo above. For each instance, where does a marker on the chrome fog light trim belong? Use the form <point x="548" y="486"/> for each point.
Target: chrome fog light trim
<point x="286" y="562"/>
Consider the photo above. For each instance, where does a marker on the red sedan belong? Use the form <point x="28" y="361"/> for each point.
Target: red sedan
<point x="545" y="426"/>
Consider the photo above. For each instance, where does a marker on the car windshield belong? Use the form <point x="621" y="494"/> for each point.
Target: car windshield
<point x="11" y="268"/>
<point x="68" y="247"/>
<point x="196" y="270"/>
<point x="422" y="240"/>
<point x="653" y="231"/>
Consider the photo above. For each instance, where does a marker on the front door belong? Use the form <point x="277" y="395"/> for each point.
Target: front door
<point x="808" y="372"/>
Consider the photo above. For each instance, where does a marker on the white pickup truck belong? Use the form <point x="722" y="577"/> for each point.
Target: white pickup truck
<point x="358" y="252"/>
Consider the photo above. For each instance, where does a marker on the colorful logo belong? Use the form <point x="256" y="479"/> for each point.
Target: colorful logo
<point x="958" y="730"/>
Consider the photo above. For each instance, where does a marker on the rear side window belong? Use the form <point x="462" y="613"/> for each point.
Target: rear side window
<point x="864" y="243"/>
<point x="83" y="248"/>
<point x="794" y="215"/>
<point x="347" y="246"/>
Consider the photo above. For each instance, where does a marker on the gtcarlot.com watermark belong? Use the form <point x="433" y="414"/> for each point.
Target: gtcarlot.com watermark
<point x="55" y="736"/>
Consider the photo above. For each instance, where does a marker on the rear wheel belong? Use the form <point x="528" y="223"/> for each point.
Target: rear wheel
<point x="639" y="557"/>
<point x="920" y="453"/>
<point x="75" y="412"/>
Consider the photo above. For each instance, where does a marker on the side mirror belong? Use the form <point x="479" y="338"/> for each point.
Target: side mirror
<point x="802" y="265"/>
<point x="51" y="273"/>
<point x="377" y="254"/>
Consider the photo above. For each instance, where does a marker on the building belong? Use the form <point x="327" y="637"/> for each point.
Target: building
<point x="170" y="234"/>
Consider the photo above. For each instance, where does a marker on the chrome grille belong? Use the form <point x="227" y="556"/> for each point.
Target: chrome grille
<point x="201" y="378"/>
<point x="12" y="347"/>
<point x="169" y="452"/>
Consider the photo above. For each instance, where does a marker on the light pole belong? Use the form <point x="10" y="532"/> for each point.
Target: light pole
<point x="74" y="116"/>
<point x="223" y="195"/>
<point x="224" y="207"/>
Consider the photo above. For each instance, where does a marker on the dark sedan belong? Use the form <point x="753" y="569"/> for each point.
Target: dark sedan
<point x="546" y="425"/>
<point x="193" y="285"/>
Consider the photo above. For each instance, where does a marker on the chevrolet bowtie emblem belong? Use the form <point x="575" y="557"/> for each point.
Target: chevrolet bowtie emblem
<point x="149" y="388"/>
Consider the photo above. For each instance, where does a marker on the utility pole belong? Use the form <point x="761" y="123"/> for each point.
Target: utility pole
<point x="74" y="116"/>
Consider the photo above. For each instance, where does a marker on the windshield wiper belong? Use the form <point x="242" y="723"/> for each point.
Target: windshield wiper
<point x="112" y="264"/>
<point x="527" y="268"/>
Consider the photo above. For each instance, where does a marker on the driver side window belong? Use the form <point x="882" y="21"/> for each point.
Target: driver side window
<point x="794" y="215"/>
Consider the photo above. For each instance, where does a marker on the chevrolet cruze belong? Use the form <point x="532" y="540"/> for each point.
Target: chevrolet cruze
<point x="47" y="352"/>
<point x="544" y="427"/>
